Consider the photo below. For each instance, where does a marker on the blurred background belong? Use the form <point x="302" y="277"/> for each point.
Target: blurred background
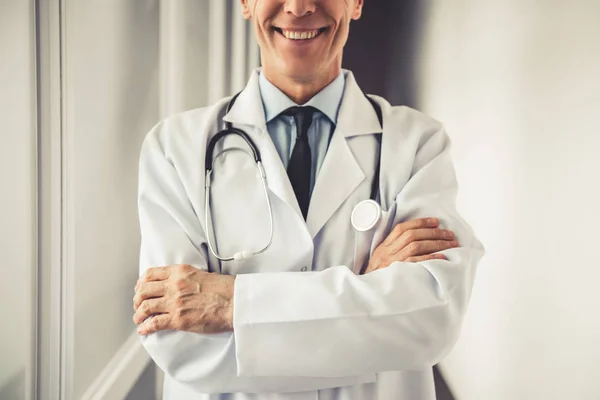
<point x="515" y="82"/>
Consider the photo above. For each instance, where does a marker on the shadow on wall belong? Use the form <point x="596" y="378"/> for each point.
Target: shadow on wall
<point x="146" y="385"/>
<point x="382" y="49"/>
<point x="14" y="388"/>
<point x="382" y="52"/>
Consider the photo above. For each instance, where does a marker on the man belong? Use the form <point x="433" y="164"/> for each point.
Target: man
<point x="318" y="315"/>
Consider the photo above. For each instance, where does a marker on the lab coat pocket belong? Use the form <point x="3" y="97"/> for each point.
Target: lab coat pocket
<point x="366" y="242"/>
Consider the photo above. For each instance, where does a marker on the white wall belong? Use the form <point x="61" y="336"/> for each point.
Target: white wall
<point x="184" y="45"/>
<point x="17" y="197"/>
<point x="111" y="101"/>
<point x="517" y="84"/>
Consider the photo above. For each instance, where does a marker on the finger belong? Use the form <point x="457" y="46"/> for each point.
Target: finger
<point x="154" y="274"/>
<point x="148" y="290"/>
<point x="154" y="324"/>
<point x="425" y="247"/>
<point x="370" y="268"/>
<point x="375" y="268"/>
<point x="402" y="227"/>
<point x="414" y="235"/>
<point x="149" y="308"/>
<point x="425" y="258"/>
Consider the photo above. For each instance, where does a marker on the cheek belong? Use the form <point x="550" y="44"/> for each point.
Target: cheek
<point x="340" y="38"/>
<point x="261" y="34"/>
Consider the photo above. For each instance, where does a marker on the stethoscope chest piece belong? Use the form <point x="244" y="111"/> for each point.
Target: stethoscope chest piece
<point x="365" y="215"/>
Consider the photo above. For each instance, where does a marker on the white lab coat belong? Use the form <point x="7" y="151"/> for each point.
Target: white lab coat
<point x="327" y="333"/>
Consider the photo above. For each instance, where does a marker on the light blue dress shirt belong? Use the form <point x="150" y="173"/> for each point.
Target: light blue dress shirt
<point x="282" y="129"/>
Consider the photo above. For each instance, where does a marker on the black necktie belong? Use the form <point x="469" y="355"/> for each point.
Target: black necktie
<point x="300" y="162"/>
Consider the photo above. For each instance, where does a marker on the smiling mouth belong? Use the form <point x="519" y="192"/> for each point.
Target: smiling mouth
<point x="300" y="35"/>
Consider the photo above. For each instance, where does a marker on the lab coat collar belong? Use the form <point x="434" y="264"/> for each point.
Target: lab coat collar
<point x="248" y="107"/>
<point x="355" y="117"/>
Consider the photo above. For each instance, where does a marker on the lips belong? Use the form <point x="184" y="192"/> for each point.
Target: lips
<point x="295" y="34"/>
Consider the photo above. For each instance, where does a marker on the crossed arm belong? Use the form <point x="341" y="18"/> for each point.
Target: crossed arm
<point x="409" y="303"/>
<point x="185" y="298"/>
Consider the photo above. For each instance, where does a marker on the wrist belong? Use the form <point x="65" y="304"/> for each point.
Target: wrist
<point x="227" y="311"/>
<point x="228" y="315"/>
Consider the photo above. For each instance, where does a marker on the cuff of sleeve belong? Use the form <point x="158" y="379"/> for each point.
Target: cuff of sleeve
<point x="242" y="326"/>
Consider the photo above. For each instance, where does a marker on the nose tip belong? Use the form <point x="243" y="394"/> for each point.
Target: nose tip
<point x="300" y="8"/>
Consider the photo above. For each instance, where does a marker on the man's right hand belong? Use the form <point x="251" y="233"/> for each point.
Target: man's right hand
<point x="412" y="241"/>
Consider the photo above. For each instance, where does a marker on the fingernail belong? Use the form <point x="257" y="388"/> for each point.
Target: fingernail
<point x="433" y="220"/>
<point x="454" y="243"/>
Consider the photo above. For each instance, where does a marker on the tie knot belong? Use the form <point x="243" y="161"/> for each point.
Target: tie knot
<point x="299" y="110"/>
<point x="302" y="118"/>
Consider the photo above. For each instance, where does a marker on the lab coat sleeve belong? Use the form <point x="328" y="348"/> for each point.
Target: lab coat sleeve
<point x="171" y="234"/>
<point x="335" y="323"/>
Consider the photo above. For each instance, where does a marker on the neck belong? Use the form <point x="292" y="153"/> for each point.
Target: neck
<point x="301" y="90"/>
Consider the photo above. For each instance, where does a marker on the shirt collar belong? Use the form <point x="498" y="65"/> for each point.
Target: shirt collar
<point x="326" y="101"/>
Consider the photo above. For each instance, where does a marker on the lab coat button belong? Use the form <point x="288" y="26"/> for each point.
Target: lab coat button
<point x="304" y="269"/>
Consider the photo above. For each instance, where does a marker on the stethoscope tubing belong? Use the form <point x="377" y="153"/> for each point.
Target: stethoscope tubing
<point x="255" y="154"/>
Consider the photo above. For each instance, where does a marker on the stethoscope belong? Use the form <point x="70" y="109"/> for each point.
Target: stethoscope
<point x="365" y="215"/>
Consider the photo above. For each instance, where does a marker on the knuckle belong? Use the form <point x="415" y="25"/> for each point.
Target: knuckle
<point x="155" y="324"/>
<point x="146" y="309"/>
<point x="408" y="236"/>
<point x="180" y="284"/>
<point x="415" y="247"/>
<point x="149" y="273"/>
<point x="398" y="229"/>
<point x="184" y="267"/>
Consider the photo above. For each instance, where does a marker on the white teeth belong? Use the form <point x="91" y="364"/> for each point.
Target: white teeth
<point x="293" y="35"/>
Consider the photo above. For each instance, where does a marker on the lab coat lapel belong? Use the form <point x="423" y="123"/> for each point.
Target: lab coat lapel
<point x="277" y="177"/>
<point x="340" y="173"/>
<point x="248" y="110"/>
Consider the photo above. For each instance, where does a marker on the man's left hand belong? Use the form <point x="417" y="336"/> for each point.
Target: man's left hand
<point x="184" y="298"/>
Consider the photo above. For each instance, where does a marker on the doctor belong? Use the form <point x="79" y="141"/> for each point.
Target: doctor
<point x="325" y="312"/>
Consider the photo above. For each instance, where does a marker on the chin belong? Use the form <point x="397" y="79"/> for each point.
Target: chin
<point x="301" y="71"/>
